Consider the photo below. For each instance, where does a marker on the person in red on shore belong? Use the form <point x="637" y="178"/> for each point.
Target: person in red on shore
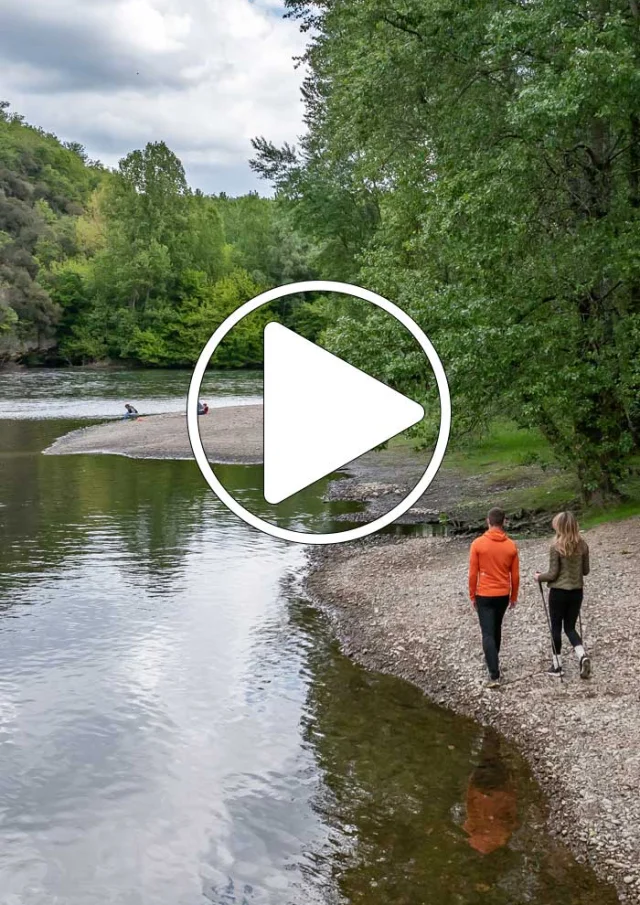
<point x="494" y="581"/>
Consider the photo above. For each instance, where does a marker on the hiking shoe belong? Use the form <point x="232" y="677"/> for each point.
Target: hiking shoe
<point x="585" y="667"/>
<point x="556" y="671"/>
<point x="493" y="683"/>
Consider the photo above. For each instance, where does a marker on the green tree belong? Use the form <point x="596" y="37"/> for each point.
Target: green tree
<point x="176" y="336"/>
<point x="42" y="188"/>
<point x="205" y="246"/>
<point x="501" y="143"/>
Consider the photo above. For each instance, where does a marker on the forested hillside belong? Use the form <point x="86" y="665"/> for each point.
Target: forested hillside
<point x="479" y="163"/>
<point x="131" y="265"/>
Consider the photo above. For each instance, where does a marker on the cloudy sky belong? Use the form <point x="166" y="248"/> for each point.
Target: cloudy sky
<point x="203" y="75"/>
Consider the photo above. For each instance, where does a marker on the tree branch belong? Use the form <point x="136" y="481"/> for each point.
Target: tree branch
<point x="601" y="298"/>
<point x="407" y="29"/>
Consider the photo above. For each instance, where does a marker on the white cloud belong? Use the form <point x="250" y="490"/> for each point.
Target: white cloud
<point x="203" y="75"/>
<point x="149" y="28"/>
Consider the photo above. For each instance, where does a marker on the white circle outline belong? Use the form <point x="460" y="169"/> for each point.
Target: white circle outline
<point x="193" y="426"/>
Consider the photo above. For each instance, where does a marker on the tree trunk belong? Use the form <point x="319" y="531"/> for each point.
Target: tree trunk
<point x="634" y="191"/>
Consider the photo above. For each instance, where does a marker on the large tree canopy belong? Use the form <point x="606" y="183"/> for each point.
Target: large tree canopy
<point x="480" y="164"/>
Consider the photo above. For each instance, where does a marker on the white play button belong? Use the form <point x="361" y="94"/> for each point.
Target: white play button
<point x="320" y="413"/>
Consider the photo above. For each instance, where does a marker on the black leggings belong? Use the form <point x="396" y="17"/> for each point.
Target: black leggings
<point x="564" y="609"/>
<point x="491" y="612"/>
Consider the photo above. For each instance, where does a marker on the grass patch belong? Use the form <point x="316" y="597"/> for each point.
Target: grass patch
<point x="506" y="454"/>
<point x="554" y="494"/>
<point x="502" y="446"/>
<point x="630" y="507"/>
<point x="592" y="517"/>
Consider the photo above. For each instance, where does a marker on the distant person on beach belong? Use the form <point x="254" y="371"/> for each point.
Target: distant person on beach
<point x="492" y="807"/>
<point x="203" y="408"/>
<point x="494" y="580"/>
<point x="131" y="411"/>
<point x="568" y="564"/>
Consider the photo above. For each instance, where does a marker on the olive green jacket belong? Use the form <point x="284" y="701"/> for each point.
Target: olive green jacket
<point x="567" y="572"/>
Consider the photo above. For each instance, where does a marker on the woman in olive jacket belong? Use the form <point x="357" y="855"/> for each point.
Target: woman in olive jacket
<point x="568" y="564"/>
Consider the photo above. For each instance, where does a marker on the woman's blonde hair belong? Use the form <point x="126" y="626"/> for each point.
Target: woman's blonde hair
<point x="568" y="539"/>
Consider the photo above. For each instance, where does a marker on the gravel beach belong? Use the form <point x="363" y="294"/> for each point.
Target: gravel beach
<point x="230" y="434"/>
<point x="402" y="607"/>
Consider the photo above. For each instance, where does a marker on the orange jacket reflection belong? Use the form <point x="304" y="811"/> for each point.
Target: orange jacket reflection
<point x="492" y="808"/>
<point x="492" y="817"/>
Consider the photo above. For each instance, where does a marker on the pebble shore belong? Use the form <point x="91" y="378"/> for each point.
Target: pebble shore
<point x="402" y="607"/>
<point x="230" y="434"/>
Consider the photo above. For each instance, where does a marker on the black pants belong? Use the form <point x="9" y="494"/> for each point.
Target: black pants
<point x="564" y="609"/>
<point x="491" y="612"/>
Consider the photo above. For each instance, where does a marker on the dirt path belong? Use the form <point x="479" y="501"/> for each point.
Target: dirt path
<point x="402" y="607"/>
<point x="231" y="434"/>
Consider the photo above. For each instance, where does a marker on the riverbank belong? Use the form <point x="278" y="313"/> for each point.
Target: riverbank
<point x="465" y="487"/>
<point x="401" y="607"/>
<point x="230" y="434"/>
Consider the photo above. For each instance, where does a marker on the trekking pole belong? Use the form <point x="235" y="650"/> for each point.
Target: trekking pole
<point x="553" y="643"/>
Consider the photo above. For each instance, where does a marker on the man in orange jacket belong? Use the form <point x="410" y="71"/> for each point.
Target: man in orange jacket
<point x="494" y="580"/>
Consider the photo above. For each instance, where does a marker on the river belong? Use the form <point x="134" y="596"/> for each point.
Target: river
<point x="177" y="725"/>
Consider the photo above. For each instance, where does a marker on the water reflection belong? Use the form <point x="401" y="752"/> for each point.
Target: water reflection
<point x="400" y="805"/>
<point x="147" y="515"/>
<point x="306" y="511"/>
<point x="492" y="809"/>
<point x="54" y="508"/>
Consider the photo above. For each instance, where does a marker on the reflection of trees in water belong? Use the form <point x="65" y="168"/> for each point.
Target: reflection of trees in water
<point x="55" y="507"/>
<point x="58" y="506"/>
<point x="304" y="511"/>
<point x="156" y="507"/>
<point x="21" y="493"/>
<point x="391" y="778"/>
<point x="396" y="772"/>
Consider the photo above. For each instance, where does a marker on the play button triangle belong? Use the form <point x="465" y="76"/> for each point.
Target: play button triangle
<point x="320" y="413"/>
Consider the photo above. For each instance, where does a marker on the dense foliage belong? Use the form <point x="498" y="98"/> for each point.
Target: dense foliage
<point x="132" y="265"/>
<point x="479" y="163"/>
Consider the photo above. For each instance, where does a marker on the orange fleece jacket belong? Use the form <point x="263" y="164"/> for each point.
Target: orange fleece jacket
<point x="494" y="570"/>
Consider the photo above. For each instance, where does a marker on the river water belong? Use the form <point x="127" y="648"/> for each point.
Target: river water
<point x="177" y="726"/>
